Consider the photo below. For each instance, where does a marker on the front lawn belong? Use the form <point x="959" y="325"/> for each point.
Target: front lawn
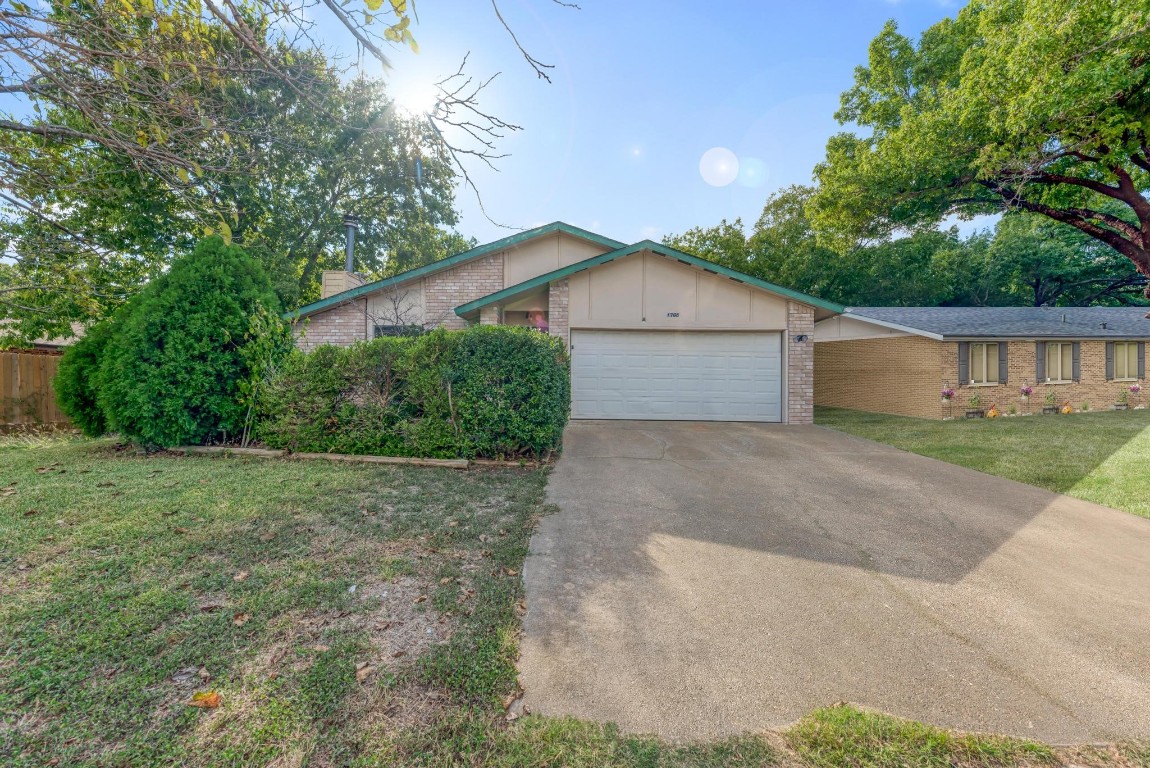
<point x="1102" y="456"/>
<point x="335" y="615"/>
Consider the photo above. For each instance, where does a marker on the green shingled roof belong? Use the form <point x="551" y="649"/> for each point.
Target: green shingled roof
<point x="452" y="261"/>
<point x="644" y="245"/>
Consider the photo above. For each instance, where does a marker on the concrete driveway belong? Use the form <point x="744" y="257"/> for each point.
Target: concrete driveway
<point x="703" y="579"/>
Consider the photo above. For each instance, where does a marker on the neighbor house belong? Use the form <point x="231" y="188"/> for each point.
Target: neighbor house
<point x="654" y="333"/>
<point x="899" y="359"/>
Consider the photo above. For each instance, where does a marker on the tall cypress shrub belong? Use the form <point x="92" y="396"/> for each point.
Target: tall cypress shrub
<point x="170" y="372"/>
<point x="75" y="382"/>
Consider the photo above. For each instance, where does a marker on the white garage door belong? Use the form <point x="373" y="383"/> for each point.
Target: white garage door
<point x="705" y="375"/>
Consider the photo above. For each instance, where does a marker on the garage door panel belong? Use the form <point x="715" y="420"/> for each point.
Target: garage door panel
<point x="676" y="375"/>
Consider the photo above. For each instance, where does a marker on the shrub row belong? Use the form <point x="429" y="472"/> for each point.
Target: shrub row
<point x="488" y="391"/>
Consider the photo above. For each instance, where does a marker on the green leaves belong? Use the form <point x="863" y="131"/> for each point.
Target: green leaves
<point x="1038" y="105"/>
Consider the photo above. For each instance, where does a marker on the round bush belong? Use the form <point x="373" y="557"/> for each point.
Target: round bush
<point x="170" y="373"/>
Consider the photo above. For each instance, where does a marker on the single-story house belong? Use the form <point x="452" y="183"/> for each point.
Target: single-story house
<point x="654" y="333"/>
<point x="898" y="360"/>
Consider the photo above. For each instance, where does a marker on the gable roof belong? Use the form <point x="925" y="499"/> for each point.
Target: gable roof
<point x="643" y="245"/>
<point x="453" y="261"/>
<point x="1011" y="322"/>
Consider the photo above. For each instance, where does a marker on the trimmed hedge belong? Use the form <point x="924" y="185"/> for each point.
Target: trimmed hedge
<point x="488" y="391"/>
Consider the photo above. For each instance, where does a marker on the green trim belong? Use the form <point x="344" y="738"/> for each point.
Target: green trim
<point x="452" y="261"/>
<point x="662" y="250"/>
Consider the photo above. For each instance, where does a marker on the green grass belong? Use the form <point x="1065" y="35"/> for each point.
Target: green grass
<point x="128" y="583"/>
<point x="846" y="736"/>
<point x="1101" y="456"/>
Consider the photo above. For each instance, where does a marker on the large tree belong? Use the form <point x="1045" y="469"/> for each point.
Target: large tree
<point x="1040" y="106"/>
<point x="129" y="128"/>
<point x="296" y="171"/>
<point x="1026" y="259"/>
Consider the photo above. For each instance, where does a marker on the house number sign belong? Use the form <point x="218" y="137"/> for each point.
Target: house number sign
<point x="672" y="314"/>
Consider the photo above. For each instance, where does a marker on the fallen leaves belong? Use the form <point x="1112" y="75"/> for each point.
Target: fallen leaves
<point x="267" y="536"/>
<point x="241" y="576"/>
<point x="363" y="671"/>
<point x="205" y="700"/>
<point x="8" y="490"/>
<point x="240" y="619"/>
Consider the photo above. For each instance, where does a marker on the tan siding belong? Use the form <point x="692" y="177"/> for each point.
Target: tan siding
<point x="641" y="290"/>
<point x="572" y="249"/>
<point x="842" y="328"/>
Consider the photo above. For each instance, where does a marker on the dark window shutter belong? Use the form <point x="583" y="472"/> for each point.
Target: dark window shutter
<point x="1076" y="352"/>
<point x="963" y="363"/>
<point x="1110" y="361"/>
<point x="1040" y="362"/>
<point x="1141" y="359"/>
<point x="1003" y="366"/>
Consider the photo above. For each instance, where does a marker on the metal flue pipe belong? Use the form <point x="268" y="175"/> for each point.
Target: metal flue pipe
<point x="350" y="224"/>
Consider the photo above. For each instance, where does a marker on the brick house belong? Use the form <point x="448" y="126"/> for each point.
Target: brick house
<point x="898" y="359"/>
<point x="654" y="333"/>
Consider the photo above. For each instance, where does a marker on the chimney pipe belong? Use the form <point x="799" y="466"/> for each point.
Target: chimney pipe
<point x="351" y="224"/>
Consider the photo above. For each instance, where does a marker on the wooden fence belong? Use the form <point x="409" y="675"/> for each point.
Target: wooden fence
<point x="27" y="398"/>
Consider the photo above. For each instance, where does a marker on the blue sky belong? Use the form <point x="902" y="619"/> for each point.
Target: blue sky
<point x="641" y="90"/>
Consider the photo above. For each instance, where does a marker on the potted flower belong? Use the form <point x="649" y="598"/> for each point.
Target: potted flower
<point x="974" y="407"/>
<point x="947" y="394"/>
<point x="1051" y="403"/>
<point x="1135" y="389"/>
<point x="1025" y="391"/>
<point x="1123" y="400"/>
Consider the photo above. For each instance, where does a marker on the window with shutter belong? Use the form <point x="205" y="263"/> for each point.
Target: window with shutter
<point x="1126" y="360"/>
<point x="1059" y="362"/>
<point x="984" y="364"/>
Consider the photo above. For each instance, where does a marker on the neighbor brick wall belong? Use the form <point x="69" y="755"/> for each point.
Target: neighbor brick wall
<point x="444" y="291"/>
<point x="1091" y="388"/>
<point x="558" y="317"/>
<point x="800" y="364"/>
<point x="342" y="325"/>
<point x="904" y="376"/>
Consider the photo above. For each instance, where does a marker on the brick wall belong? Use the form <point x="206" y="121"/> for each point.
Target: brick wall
<point x="558" y="317"/>
<point x="490" y="315"/>
<point x="901" y="376"/>
<point x="800" y="364"/>
<point x="904" y="376"/>
<point x="444" y="291"/>
<point x="341" y="325"/>
<point x="1091" y="388"/>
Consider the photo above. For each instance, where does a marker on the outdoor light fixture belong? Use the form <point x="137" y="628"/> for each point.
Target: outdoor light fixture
<point x="800" y="338"/>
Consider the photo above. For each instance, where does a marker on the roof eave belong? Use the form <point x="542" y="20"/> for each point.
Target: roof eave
<point x="449" y="262"/>
<point x="465" y="310"/>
